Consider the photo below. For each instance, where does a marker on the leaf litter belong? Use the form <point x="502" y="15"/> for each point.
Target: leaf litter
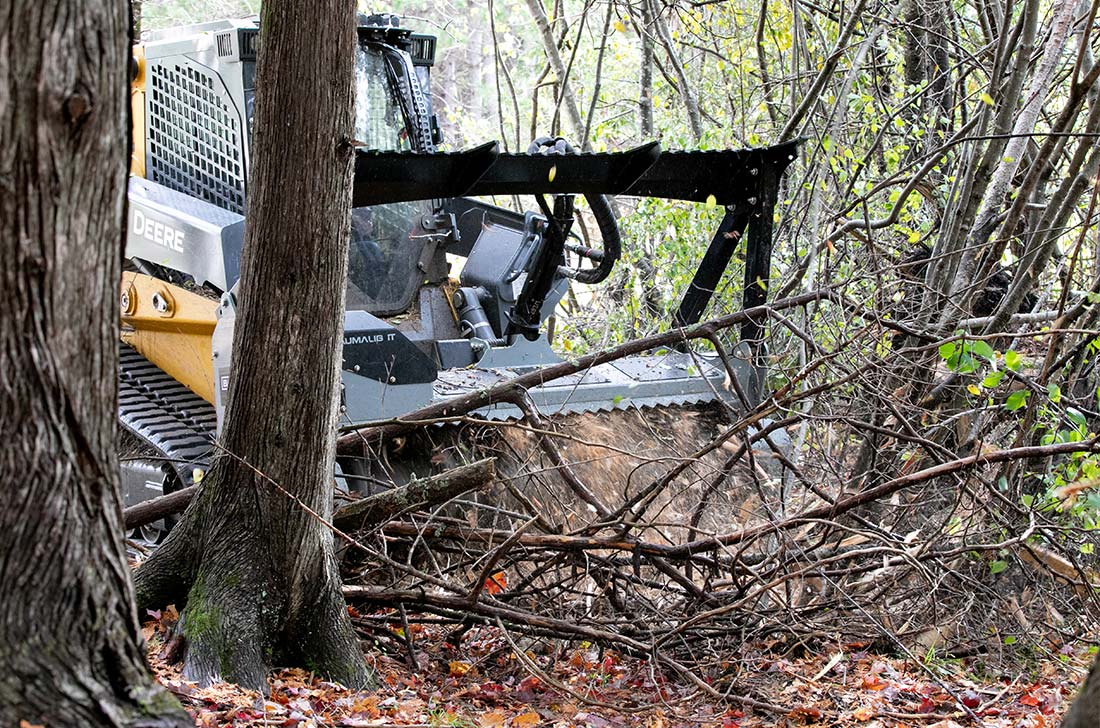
<point x="482" y="683"/>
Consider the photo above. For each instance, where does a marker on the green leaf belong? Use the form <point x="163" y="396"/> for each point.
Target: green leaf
<point x="982" y="349"/>
<point x="947" y="349"/>
<point x="1054" y="392"/>
<point x="1012" y="360"/>
<point x="965" y="364"/>
<point x="1010" y="640"/>
<point x="1016" y="400"/>
<point x="998" y="566"/>
<point x="993" y="379"/>
<point x="1075" y="416"/>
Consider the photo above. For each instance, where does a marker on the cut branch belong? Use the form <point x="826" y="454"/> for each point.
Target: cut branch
<point x="160" y="507"/>
<point x="381" y="507"/>
<point x="368" y="511"/>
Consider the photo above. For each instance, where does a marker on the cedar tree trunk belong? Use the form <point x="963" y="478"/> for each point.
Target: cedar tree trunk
<point x="70" y="649"/>
<point x="1085" y="711"/>
<point x="256" y="569"/>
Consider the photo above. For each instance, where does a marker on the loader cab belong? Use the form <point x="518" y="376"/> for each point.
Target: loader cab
<point x="389" y="249"/>
<point x="193" y="96"/>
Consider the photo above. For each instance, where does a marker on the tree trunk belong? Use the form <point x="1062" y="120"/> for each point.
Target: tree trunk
<point x="687" y="94"/>
<point x="964" y="286"/>
<point x="550" y="45"/>
<point x="69" y="641"/>
<point x="1085" y="712"/>
<point x="263" y="578"/>
<point x="645" y="75"/>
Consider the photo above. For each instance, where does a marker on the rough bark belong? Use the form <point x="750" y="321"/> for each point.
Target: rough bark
<point x="1085" y="712"/>
<point x="927" y="60"/>
<point x="69" y="641"/>
<point x="263" y="578"/>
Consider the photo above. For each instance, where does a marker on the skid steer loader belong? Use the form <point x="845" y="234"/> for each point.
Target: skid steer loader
<point x="412" y="335"/>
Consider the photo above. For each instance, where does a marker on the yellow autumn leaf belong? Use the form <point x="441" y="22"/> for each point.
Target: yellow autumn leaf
<point x="619" y="26"/>
<point x="973" y="389"/>
<point x="458" y="668"/>
<point x="986" y="98"/>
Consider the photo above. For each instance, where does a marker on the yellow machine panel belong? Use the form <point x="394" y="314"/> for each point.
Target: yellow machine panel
<point x="172" y="328"/>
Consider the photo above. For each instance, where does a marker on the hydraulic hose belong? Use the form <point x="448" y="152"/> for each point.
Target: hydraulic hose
<point x="612" y="242"/>
<point x="605" y="219"/>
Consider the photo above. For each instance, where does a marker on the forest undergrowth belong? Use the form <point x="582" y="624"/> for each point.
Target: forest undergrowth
<point x="496" y="680"/>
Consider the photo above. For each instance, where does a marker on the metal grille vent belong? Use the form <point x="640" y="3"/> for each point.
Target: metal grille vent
<point x="225" y="45"/>
<point x="422" y="49"/>
<point x="250" y="44"/>
<point x="194" y="141"/>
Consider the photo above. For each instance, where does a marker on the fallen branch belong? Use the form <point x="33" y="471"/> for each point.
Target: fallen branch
<point x="367" y="511"/>
<point x="157" y="508"/>
<point x="492" y="611"/>
<point x="885" y="489"/>
<point x="357" y="439"/>
<point x="381" y="507"/>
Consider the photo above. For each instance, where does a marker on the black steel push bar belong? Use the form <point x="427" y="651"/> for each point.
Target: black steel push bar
<point x="743" y="181"/>
<point x="724" y="177"/>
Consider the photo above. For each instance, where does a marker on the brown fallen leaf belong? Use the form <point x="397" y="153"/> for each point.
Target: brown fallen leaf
<point x="530" y="719"/>
<point x="492" y="719"/>
<point x="863" y="713"/>
<point x="805" y="711"/>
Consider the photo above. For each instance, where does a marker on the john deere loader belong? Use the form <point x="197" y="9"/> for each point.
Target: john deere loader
<point x="413" y="334"/>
